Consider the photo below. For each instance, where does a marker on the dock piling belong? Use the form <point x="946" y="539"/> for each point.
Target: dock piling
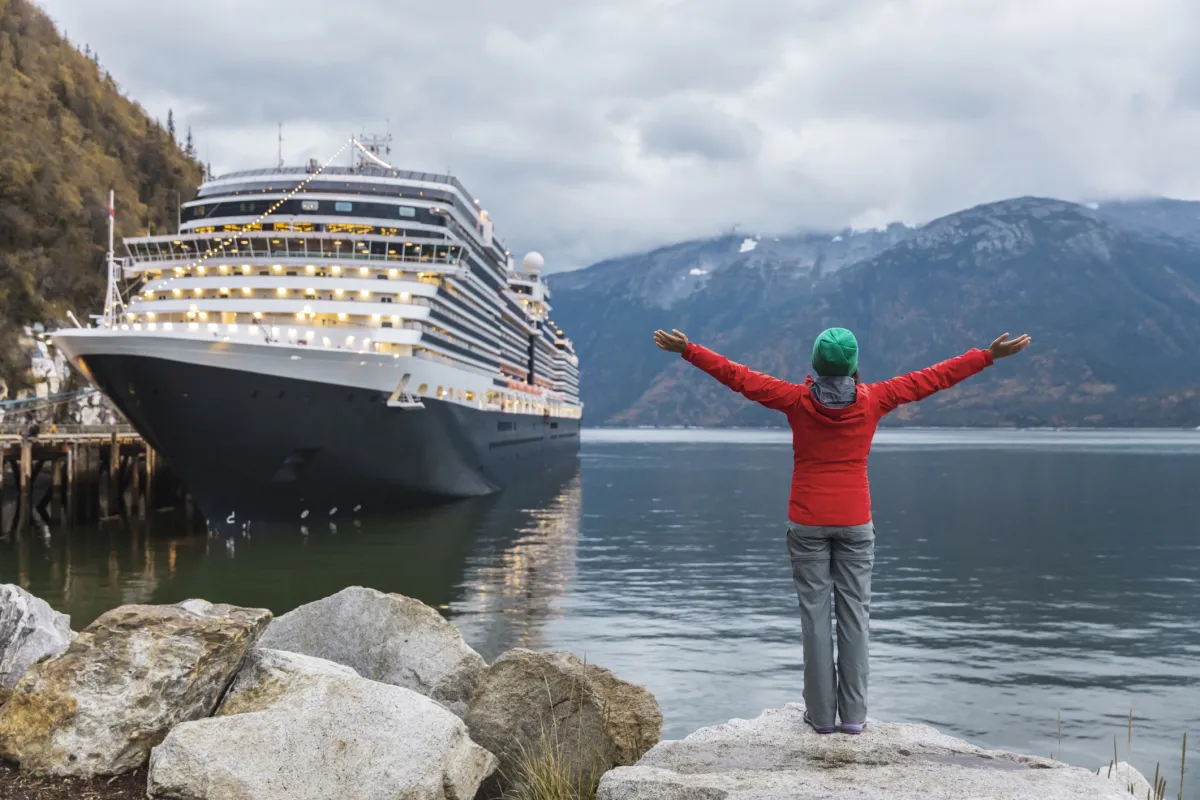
<point x="26" y="467"/>
<point x="135" y="484"/>
<point x="74" y="455"/>
<point x="151" y="463"/>
<point x="114" y="476"/>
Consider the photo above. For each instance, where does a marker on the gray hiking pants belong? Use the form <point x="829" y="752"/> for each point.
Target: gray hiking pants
<point x="835" y="561"/>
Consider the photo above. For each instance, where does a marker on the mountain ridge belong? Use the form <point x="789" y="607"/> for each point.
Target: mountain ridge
<point x="1101" y="295"/>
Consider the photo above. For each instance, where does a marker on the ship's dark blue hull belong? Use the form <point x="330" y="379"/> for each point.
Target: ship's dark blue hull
<point x="247" y="444"/>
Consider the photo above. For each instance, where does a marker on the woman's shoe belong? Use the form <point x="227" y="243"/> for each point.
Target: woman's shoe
<point x="853" y="728"/>
<point x="813" y="725"/>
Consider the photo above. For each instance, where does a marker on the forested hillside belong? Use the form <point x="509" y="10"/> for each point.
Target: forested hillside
<point x="68" y="136"/>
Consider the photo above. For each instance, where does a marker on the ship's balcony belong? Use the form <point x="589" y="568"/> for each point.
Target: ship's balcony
<point x="397" y="341"/>
<point x="194" y="249"/>
<point x="257" y="287"/>
<point x="243" y="309"/>
<point x="363" y="281"/>
<point x="216" y="314"/>
<point x="377" y="333"/>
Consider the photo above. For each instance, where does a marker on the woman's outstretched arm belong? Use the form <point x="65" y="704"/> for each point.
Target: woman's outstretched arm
<point x="918" y="385"/>
<point x="771" y="392"/>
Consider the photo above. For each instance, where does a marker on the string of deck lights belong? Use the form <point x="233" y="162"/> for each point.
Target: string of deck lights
<point x="299" y="188"/>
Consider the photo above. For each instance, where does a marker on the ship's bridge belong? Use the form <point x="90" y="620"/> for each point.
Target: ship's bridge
<point x="360" y="192"/>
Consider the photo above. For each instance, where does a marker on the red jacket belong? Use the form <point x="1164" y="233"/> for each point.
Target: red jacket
<point x="831" y="445"/>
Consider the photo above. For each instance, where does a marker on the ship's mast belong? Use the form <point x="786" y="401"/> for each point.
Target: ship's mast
<point x="112" y="297"/>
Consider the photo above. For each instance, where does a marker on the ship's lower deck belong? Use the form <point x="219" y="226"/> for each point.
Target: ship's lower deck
<point x="249" y="443"/>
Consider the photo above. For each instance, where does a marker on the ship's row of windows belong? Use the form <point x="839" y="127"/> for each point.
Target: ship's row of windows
<point x="347" y="187"/>
<point x="301" y="226"/>
<point x="239" y="208"/>
<point x="249" y="293"/>
<point x="310" y="270"/>
<point x="472" y="317"/>
<point x="231" y="320"/>
<point x="289" y="247"/>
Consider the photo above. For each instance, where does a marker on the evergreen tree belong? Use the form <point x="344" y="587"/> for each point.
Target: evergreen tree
<point x="52" y="252"/>
<point x="189" y="149"/>
<point x="171" y="124"/>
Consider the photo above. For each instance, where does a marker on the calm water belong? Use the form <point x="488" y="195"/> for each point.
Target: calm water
<point x="1018" y="575"/>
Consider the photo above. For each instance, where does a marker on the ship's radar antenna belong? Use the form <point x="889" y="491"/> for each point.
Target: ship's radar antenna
<point x="532" y="264"/>
<point x="370" y="150"/>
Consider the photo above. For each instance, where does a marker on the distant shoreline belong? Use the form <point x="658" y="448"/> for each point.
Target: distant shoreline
<point x="1156" y="440"/>
<point x="899" y="428"/>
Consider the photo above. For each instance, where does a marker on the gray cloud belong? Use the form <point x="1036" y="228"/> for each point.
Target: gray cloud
<point x="593" y="129"/>
<point x="684" y="128"/>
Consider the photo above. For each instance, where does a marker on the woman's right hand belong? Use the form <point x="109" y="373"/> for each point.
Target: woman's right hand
<point x="673" y="342"/>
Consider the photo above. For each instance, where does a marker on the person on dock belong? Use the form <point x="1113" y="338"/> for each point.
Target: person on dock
<point x="830" y="534"/>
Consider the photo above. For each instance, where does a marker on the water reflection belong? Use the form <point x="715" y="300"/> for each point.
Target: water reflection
<point x="508" y="555"/>
<point x="85" y="570"/>
<point x="510" y="593"/>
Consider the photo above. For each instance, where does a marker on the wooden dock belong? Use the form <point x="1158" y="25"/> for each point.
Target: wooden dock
<point x="83" y="472"/>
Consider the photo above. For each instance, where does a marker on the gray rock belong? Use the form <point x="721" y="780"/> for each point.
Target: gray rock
<point x="530" y="702"/>
<point x="307" y="731"/>
<point x="778" y="756"/>
<point x="1127" y="778"/>
<point x="384" y="637"/>
<point x="101" y="705"/>
<point x="267" y="676"/>
<point x="29" y="630"/>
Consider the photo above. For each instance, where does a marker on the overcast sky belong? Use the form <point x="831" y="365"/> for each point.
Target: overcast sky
<point x="590" y="129"/>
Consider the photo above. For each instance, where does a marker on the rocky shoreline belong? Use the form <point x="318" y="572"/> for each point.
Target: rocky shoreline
<point x="370" y="695"/>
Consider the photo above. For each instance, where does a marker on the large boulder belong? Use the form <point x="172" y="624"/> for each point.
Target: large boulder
<point x="530" y="704"/>
<point x="307" y="729"/>
<point x="29" y="630"/>
<point x="267" y="676"/>
<point x="384" y="637"/>
<point x="128" y="678"/>
<point x="778" y="756"/>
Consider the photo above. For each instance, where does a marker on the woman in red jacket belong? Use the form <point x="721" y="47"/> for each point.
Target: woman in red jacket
<point x="831" y="538"/>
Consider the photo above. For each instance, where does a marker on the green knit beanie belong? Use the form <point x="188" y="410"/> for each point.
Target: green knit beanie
<point x="835" y="352"/>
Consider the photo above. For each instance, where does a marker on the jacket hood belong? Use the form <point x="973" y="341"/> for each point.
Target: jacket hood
<point x="837" y="399"/>
<point x="834" y="391"/>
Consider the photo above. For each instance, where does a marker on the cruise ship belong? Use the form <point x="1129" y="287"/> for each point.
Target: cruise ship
<point x="323" y="339"/>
